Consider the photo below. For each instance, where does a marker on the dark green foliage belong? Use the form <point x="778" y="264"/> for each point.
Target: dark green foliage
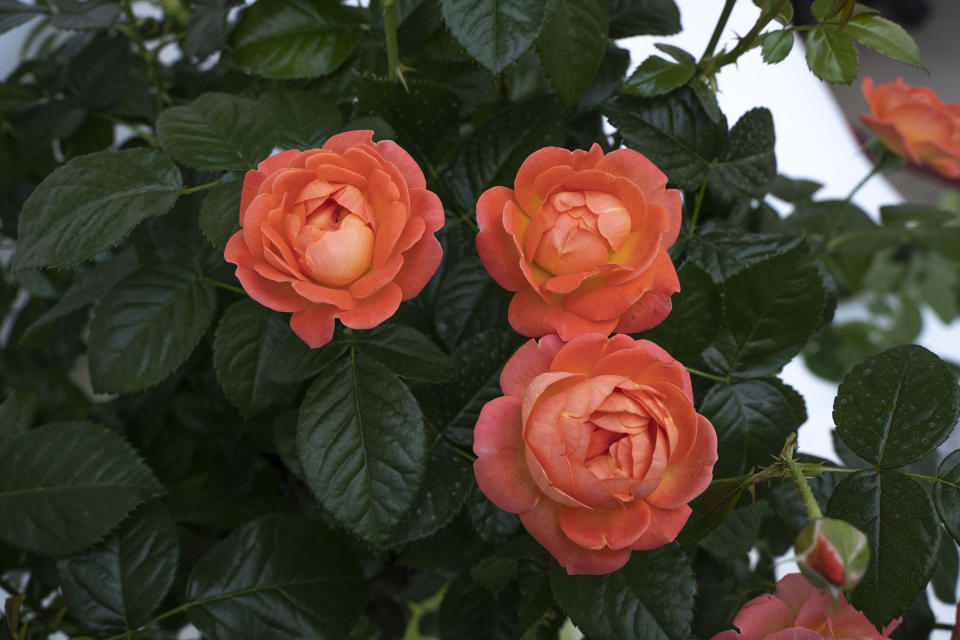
<point x="172" y="453"/>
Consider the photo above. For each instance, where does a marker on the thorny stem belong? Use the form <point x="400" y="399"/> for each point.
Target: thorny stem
<point x="799" y="478"/>
<point x="390" y="30"/>
<point x="709" y="66"/>
<point x="718" y="30"/>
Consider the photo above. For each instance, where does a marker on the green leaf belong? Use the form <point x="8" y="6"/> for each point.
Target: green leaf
<point x="572" y="44"/>
<point x="651" y="597"/>
<point x="674" y="131"/>
<point x="406" y="352"/>
<point x="696" y="315"/>
<point x="220" y="212"/>
<point x="724" y="252"/>
<point x="454" y="407"/>
<point x="119" y="583"/>
<point x="737" y="534"/>
<point x="466" y="297"/>
<point x="363" y="445"/>
<point x="470" y="612"/>
<point x="245" y="339"/>
<point x="831" y="55"/>
<point x="853" y="238"/>
<point x="770" y="310"/>
<point x="898" y="518"/>
<point x="495" y="150"/>
<point x="656" y="76"/>
<point x="947" y="496"/>
<point x="217" y="131"/>
<point x="424" y="115"/>
<point x="302" y="119"/>
<point x="13" y="14"/>
<point x="826" y="9"/>
<point x="89" y="287"/>
<point x="91" y="203"/>
<point x="292" y="360"/>
<point x="92" y="14"/>
<point x="776" y="46"/>
<point x="794" y="190"/>
<point x="280" y="576"/>
<point x="643" y="18"/>
<point x="752" y="419"/>
<point x="494" y="32"/>
<point x="901" y="214"/>
<point x="711" y="508"/>
<point x="295" y="38"/>
<point x="146" y="326"/>
<point x="609" y="76"/>
<point x="748" y="164"/>
<point x="885" y="36"/>
<point x="784" y="10"/>
<point x="64" y="486"/>
<point x="448" y="481"/>
<point x="944" y="579"/>
<point x="897" y="406"/>
<point x="494" y="525"/>
<point x="100" y="73"/>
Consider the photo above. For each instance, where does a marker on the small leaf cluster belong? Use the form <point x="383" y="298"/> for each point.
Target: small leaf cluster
<point x="172" y="454"/>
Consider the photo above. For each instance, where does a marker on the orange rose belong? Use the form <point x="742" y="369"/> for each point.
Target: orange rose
<point x="596" y="445"/>
<point x="346" y="231"/>
<point x="799" y="611"/>
<point x="914" y="123"/>
<point x="582" y="238"/>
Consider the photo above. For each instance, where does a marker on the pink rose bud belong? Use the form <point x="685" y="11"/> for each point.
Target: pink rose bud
<point x="832" y="554"/>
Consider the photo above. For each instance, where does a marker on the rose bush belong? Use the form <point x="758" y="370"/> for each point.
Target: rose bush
<point x="596" y="445"/>
<point x="913" y="122"/>
<point x="345" y="231"/>
<point x="177" y="461"/>
<point x="582" y="239"/>
<point x="799" y="611"/>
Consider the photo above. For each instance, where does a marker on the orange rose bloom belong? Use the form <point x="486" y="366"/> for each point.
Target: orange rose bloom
<point x="346" y="231"/>
<point x="582" y="238"/>
<point x="914" y="123"/>
<point x="596" y="444"/>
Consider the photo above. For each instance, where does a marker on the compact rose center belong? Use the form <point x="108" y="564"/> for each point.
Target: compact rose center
<point x="577" y="231"/>
<point x="625" y="442"/>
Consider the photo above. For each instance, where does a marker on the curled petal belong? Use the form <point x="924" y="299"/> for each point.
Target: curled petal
<point x="685" y="480"/>
<point x="500" y="466"/>
<point x="494" y="245"/>
<point x="528" y="362"/>
<point x="371" y="311"/>
<point x="599" y="528"/>
<point x="314" y="324"/>
<point x="542" y="523"/>
<point x="530" y="316"/>
<point x="419" y="265"/>
<point x="665" y="526"/>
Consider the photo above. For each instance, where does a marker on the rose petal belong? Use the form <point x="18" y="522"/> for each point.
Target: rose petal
<point x="371" y="311"/>
<point x="542" y="523"/>
<point x="314" y="325"/>
<point x="528" y="362"/>
<point x="599" y="528"/>
<point x="500" y="466"/>
<point x="686" y="479"/>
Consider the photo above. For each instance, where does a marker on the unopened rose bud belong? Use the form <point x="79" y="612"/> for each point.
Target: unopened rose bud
<point x="832" y="554"/>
